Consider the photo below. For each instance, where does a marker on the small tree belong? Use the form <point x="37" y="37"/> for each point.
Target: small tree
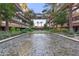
<point x="61" y="18"/>
<point x="8" y="11"/>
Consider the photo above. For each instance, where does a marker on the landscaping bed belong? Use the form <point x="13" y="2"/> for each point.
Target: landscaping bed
<point x="64" y="32"/>
<point x="7" y="34"/>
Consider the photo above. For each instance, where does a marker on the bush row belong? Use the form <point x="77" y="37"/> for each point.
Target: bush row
<point x="13" y="32"/>
<point x="62" y="30"/>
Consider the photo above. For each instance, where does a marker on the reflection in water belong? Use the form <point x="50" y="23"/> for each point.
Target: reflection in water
<point x="40" y="44"/>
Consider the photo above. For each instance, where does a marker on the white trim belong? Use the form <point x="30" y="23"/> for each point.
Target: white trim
<point x="3" y="40"/>
<point x="75" y="39"/>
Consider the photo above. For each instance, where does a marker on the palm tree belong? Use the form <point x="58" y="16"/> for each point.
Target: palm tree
<point x="50" y="11"/>
<point x="41" y="23"/>
<point x="50" y="8"/>
<point x="37" y="23"/>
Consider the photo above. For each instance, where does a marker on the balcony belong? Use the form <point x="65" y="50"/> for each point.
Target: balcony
<point x="13" y="24"/>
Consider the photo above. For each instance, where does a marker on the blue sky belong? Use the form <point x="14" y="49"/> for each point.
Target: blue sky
<point x="37" y="7"/>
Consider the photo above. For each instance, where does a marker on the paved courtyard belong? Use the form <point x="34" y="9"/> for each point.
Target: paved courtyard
<point x="39" y="44"/>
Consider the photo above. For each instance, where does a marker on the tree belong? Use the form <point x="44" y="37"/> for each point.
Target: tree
<point x="50" y="11"/>
<point x="61" y="18"/>
<point x="37" y="23"/>
<point x="49" y="8"/>
<point x="41" y="23"/>
<point x="8" y="11"/>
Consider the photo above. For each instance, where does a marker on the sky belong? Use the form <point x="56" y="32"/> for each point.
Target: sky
<point x="37" y="7"/>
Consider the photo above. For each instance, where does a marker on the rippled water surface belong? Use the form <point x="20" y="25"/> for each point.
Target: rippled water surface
<point x="39" y="44"/>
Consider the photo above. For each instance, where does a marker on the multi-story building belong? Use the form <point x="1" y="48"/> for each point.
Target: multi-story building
<point x="19" y="20"/>
<point x="73" y="10"/>
<point x="73" y="14"/>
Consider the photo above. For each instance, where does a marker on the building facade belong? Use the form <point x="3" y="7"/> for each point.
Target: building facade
<point x="73" y="14"/>
<point x="19" y="20"/>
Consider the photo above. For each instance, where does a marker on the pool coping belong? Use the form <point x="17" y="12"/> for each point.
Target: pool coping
<point x="62" y="35"/>
<point x="10" y="38"/>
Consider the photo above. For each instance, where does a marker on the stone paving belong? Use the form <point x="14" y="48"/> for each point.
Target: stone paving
<point x="39" y="44"/>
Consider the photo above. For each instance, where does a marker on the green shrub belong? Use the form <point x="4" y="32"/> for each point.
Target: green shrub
<point x="65" y="30"/>
<point x="77" y="32"/>
<point x="13" y="29"/>
<point x="4" y="35"/>
<point x="55" y="30"/>
<point x="29" y="29"/>
<point x="18" y="30"/>
<point x="71" y="33"/>
<point x="24" y="31"/>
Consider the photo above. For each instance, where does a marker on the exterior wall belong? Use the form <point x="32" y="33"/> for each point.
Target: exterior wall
<point x="22" y="8"/>
<point x="75" y="16"/>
